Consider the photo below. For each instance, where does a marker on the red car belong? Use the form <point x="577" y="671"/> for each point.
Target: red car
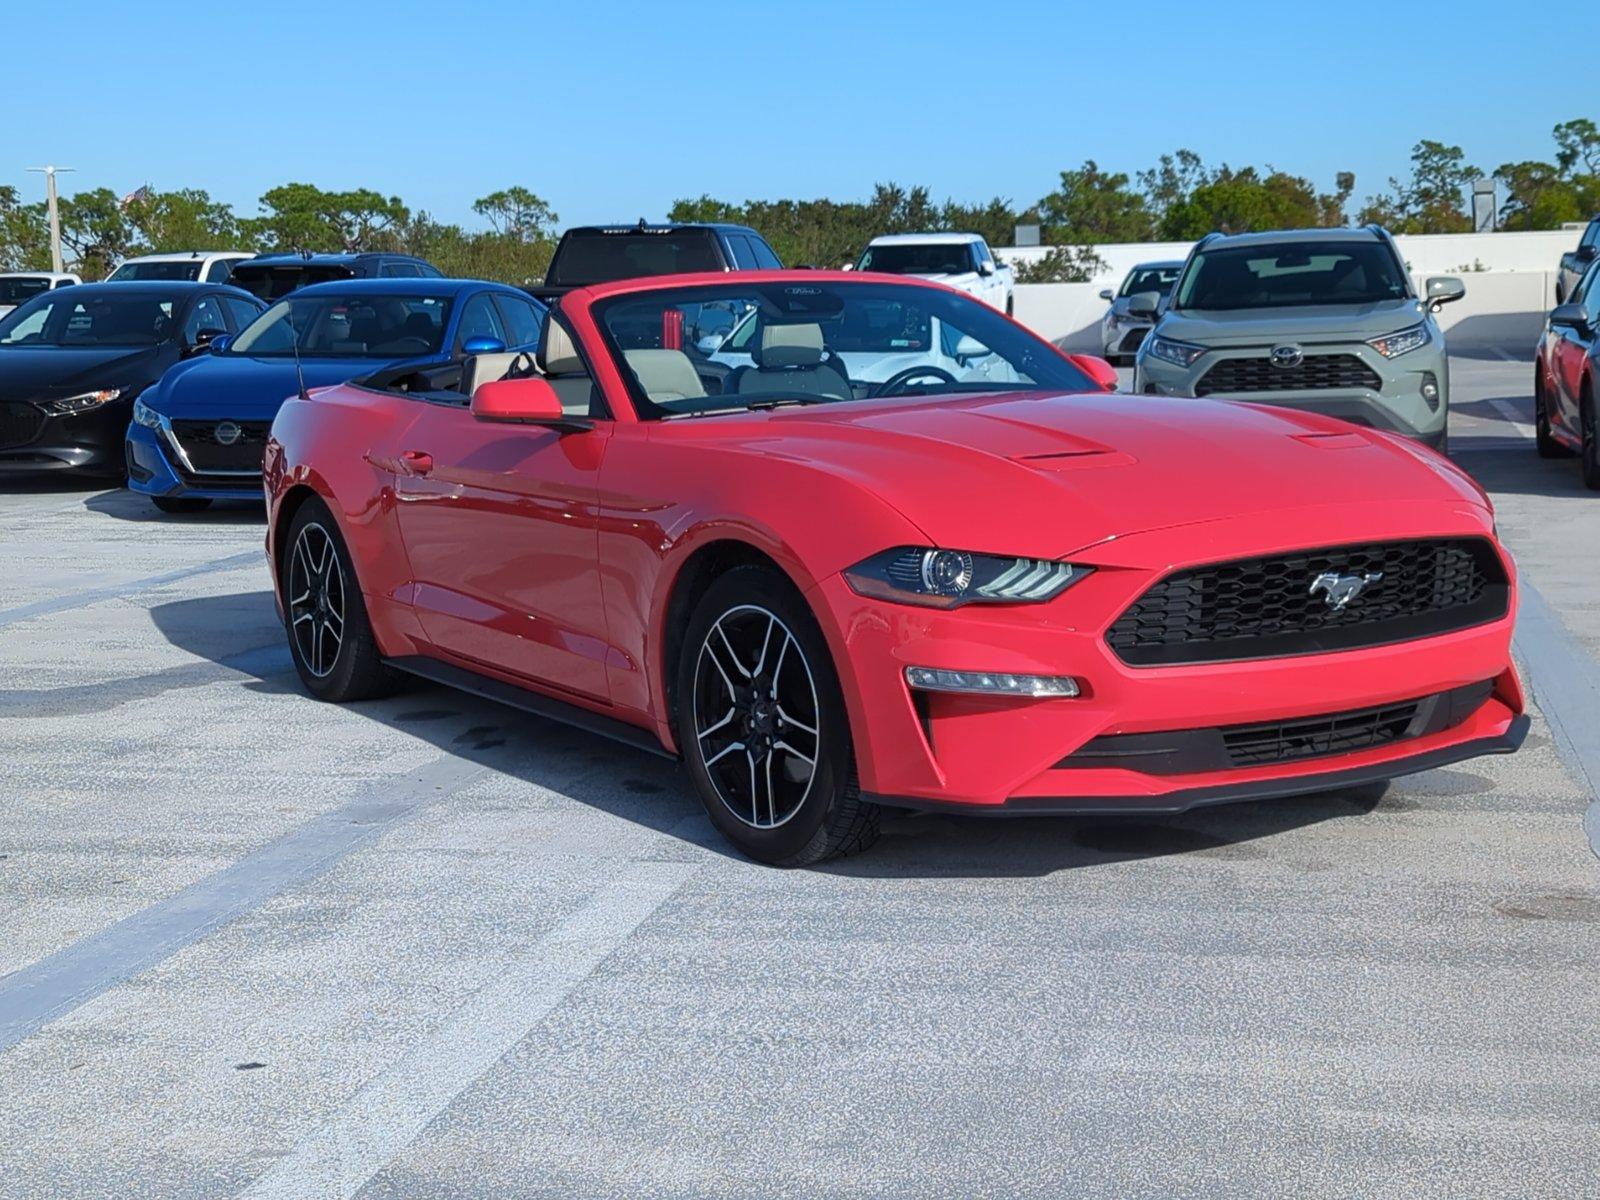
<point x="874" y="544"/>
<point x="1566" y="380"/>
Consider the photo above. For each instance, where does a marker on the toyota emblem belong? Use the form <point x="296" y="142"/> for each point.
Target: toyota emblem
<point x="227" y="433"/>
<point x="1287" y="356"/>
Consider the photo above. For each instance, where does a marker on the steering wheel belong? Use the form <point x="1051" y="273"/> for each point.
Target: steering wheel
<point x="892" y="385"/>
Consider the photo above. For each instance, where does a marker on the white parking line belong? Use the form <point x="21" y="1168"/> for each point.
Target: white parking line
<point x="384" y="1117"/>
<point x="1512" y="413"/>
<point x="233" y="562"/>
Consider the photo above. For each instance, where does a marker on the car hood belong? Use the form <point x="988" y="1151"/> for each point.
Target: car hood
<point x="1050" y="474"/>
<point x="30" y="371"/>
<point x="238" y="386"/>
<point x="1313" y="323"/>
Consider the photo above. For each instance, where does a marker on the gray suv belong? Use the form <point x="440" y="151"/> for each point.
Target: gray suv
<point x="1318" y="319"/>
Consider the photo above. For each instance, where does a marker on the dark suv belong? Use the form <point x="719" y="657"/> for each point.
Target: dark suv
<point x="601" y="253"/>
<point x="273" y="276"/>
<point x="1575" y="262"/>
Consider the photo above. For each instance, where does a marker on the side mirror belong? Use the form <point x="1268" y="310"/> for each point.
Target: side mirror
<point x="1572" y="316"/>
<point x="203" y="339"/>
<point x="1443" y="289"/>
<point x="985" y="268"/>
<point x="1098" y="369"/>
<point x="969" y="347"/>
<point x="1587" y="253"/>
<point x="709" y="344"/>
<point x="849" y="266"/>
<point x="523" y="402"/>
<point x="483" y="345"/>
<point x="220" y="343"/>
<point x="1145" y="304"/>
<point x="1106" y="294"/>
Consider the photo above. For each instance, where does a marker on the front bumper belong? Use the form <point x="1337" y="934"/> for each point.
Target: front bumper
<point x="1123" y="339"/>
<point x="997" y="755"/>
<point x="90" y="442"/>
<point x="155" y="470"/>
<point x="1397" y="406"/>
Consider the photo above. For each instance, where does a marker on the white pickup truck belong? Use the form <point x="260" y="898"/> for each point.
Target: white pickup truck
<point x="961" y="260"/>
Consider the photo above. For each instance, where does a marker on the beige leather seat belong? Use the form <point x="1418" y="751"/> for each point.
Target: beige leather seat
<point x="665" y="375"/>
<point x="479" y="369"/>
<point x="558" y="361"/>
<point x="791" y="359"/>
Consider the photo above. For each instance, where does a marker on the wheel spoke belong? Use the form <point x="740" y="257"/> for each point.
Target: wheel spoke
<point x="306" y="616"/>
<point x="724" y="752"/>
<point x="727" y="719"/>
<point x="732" y="653"/>
<point x="766" y="640"/>
<point x="755" y="794"/>
<point x="798" y="724"/>
<point x="809" y="760"/>
<point x="772" y="798"/>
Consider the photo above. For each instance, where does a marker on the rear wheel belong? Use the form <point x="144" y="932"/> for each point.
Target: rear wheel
<point x="1591" y="440"/>
<point x="1547" y="445"/>
<point x="180" y="504"/>
<point x="761" y="722"/>
<point x="330" y="637"/>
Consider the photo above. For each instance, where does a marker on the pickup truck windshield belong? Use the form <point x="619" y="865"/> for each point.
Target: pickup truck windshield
<point x="911" y="258"/>
<point x="1293" y="274"/>
<point x="598" y="256"/>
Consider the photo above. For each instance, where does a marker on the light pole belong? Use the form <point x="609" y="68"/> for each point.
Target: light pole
<point x="49" y="174"/>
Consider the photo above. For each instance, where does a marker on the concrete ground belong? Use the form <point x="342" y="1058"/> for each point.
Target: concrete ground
<point x="252" y="945"/>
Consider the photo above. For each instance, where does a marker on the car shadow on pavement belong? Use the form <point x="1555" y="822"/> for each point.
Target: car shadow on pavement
<point x="1524" y="474"/>
<point x="134" y="506"/>
<point x="241" y="634"/>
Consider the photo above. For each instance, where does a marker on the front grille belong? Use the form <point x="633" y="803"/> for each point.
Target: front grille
<point x="1197" y="751"/>
<point x="19" y="424"/>
<point x="1316" y="372"/>
<point x="1266" y="608"/>
<point x="199" y="442"/>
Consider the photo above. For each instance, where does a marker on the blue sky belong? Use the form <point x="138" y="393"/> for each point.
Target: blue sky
<point x="611" y="110"/>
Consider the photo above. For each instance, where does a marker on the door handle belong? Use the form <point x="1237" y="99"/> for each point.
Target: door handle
<point x="416" y="462"/>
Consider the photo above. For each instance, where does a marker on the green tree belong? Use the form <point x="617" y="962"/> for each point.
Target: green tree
<point x="1062" y="264"/>
<point x="1577" y="144"/>
<point x="301" y="216"/>
<point x="1538" y="196"/>
<point x="95" y="231"/>
<point x="24" y="233"/>
<point x="1432" y="200"/>
<point x="1091" y="206"/>
<point x="517" y="213"/>
<point x="187" y="219"/>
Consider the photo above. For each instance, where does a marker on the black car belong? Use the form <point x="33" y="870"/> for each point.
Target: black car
<point x="72" y="361"/>
<point x="274" y="276"/>
<point x="591" y="254"/>
<point x="1575" y="262"/>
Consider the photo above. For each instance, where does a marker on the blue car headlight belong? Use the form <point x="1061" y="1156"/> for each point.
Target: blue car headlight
<point x="1179" y="354"/>
<point x="144" y="415"/>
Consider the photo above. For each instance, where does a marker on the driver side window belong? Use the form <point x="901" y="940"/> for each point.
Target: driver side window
<point x="479" y="319"/>
<point x="206" y="314"/>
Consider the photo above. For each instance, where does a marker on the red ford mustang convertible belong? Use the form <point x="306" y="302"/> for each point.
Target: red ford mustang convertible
<point x="843" y="542"/>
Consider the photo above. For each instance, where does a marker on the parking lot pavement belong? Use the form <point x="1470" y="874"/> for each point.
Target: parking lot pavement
<point x="428" y="947"/>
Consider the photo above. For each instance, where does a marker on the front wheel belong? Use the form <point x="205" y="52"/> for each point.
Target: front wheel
<point x="1544" y="442"/>
<point x="761" y="722"/>
<point x="330" y="637"/>
<point x="1591" y="442"/>
<point x="180" y="504"/>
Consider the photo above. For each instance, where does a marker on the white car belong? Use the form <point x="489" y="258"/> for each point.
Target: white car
<point x="18" y="287"/>
<point x="201" y="266"/>
<point x="959" y="260"/>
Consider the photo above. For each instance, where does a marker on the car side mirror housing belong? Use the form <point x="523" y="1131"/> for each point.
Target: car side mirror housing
<point x="709" y="344"/>
<point x="220" y="343"/>
<point x="524" y="402"/>
<point x="1145" y="304"/>
<point x="1443" y="289"/>
<point x="1097" y="369"/>
<point x="1572" y="316"/>
<point x="985" y="268"/>
<point x="483" y="345"/>
<point x="1105" y="294"/>
<point x="969" y="347"/>
<point x="1587" y="253"/>
<point x="203" y="338"/>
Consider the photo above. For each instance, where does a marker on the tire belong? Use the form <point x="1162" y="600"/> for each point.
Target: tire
<point x="321" y="602"/>
<point x="751" y="633"/>
<point x="180" y="504"/>
<point x="1590" y="455"/>
<point x="1546" y="445"/>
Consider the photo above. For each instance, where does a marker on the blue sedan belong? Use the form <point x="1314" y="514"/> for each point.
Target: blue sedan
<point x="198" y="434"/>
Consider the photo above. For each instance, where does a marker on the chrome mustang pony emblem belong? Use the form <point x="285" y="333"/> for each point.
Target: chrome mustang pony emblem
<point x="1339" y="590"/>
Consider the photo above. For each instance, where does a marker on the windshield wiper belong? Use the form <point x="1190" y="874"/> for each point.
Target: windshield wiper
<point x="766" y="405"/>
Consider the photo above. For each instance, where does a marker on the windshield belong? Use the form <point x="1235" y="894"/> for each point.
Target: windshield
<point x="813" y="343"/>
<point x="18" y="291"/>
<point x="61" y="319"/>
<point x="1292" y="274"/>
<point x="335" y="326"/>
<point x="185" y="269"/>
<point x="593" y="256"/>
<point x="1149" y="279"/>
<point x="274" y="283"/>
<point x="911" y="258"/>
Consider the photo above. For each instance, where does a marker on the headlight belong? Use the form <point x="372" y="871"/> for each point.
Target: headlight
<point x="951" y="578"/>
<point x="144" y="415"/>
<point x="66" y="405"/>
<point x="1180" y="354"/>
<point x="1393" y="345"/>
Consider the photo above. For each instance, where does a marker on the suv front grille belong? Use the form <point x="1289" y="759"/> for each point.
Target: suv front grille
<point x="1265" y="607"/>
<point x="199" y="442"/>
<point x="1316" y="372"/>
<point x="19" y="424"/>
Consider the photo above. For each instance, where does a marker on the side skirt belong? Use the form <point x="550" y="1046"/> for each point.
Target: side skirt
<point x="529" y="701"/>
